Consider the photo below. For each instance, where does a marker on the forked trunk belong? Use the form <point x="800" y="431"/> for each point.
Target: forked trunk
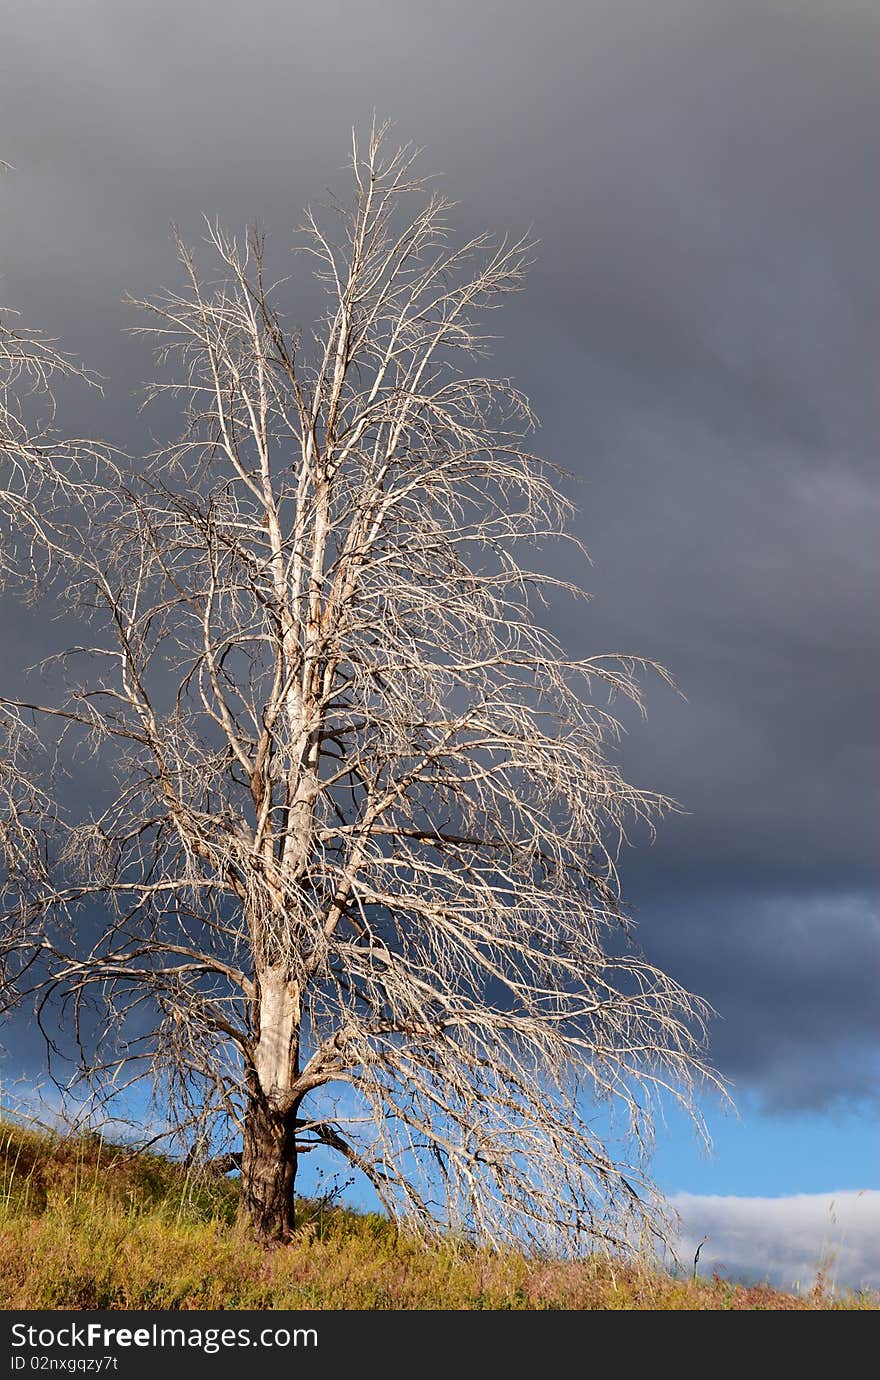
<point x="268" y="1162"/>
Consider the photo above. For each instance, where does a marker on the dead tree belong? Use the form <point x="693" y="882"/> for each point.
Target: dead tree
<point x="352" y="881"/>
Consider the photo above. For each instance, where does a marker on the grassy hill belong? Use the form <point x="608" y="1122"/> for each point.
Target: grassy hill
<point x="88" y="1225"/>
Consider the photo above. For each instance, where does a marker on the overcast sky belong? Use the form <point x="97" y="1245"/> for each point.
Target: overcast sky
<point x="700" y="336"/>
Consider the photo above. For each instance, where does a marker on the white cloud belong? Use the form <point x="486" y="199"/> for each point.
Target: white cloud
<point x="42" y="1103"/>
<point x="785" y="1240"/>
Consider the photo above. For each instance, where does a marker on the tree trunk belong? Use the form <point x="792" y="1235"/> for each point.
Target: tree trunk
<point x="268" y="1162"/>
<point x="268" y="1171"/>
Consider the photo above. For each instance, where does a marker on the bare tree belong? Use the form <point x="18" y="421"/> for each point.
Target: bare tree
<point x="353" y="885"/>
<point x="39" y="472"/>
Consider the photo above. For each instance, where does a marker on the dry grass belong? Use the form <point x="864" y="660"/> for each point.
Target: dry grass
<point x="86" y="1225"/>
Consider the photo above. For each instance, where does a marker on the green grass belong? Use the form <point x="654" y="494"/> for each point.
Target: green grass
<point x="84" y="1224"/>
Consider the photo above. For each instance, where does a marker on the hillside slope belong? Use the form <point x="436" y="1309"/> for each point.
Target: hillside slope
<point x="90" y="1226"/>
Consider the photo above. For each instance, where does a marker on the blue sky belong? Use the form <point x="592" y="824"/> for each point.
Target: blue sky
<point x="756" y="1154"/>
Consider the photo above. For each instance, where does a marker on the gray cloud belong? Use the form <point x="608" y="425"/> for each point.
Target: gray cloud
<point x="700" y="335"/>
<point x="786" y="1240"/>
<point x="795" y="980"/>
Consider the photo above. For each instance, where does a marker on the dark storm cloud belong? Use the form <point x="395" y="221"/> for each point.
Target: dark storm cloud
<point x="700" y="335"/>
<point x="795" y="978"/>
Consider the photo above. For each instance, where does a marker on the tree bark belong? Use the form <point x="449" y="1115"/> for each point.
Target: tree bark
<point x="268" y="1162"/>
<point x="268" y="1172"/>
